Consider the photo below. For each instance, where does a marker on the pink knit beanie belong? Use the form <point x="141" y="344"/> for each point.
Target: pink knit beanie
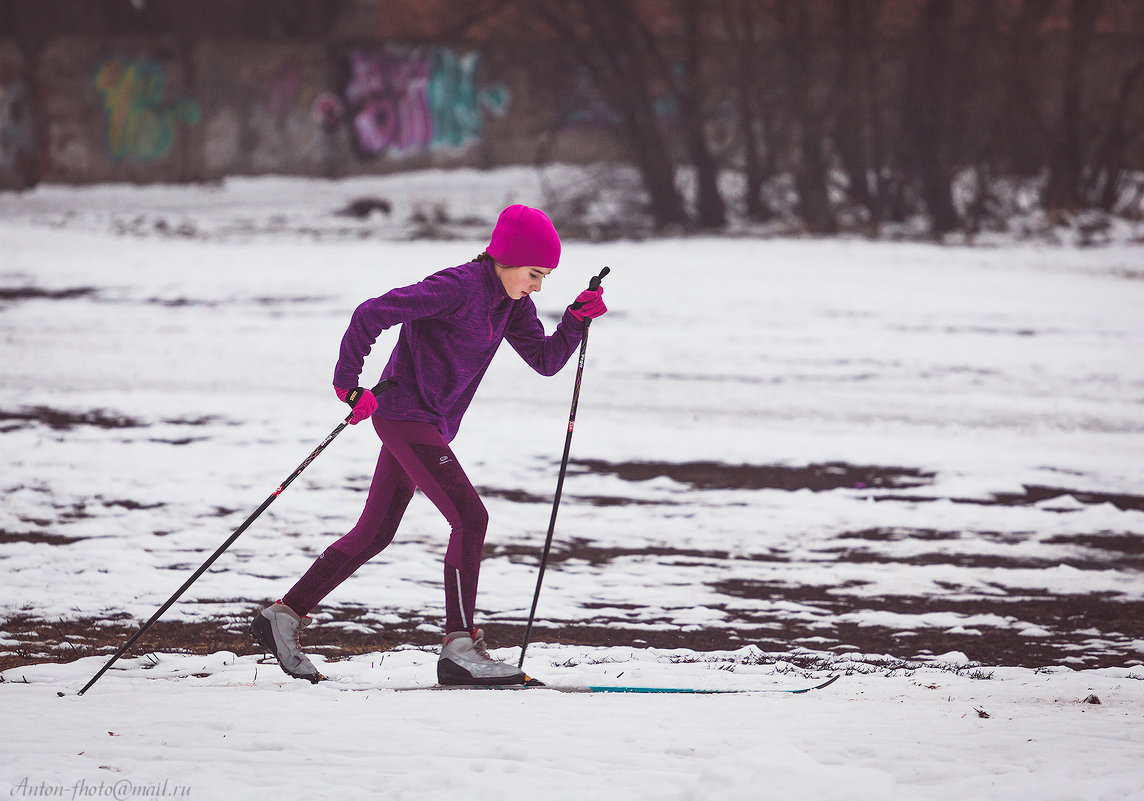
<point x="525" y="237"/>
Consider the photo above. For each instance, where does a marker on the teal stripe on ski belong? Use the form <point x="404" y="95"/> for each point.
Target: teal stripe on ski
<point x="611" y="688"/>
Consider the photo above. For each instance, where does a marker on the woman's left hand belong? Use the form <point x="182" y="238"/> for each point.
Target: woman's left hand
<point x="589" y="304"/>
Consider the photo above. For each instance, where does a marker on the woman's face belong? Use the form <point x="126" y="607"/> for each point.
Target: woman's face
<point x="521" y="281"/>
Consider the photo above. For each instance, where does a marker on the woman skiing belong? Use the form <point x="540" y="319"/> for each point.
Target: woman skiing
<point x="451" y="326"/>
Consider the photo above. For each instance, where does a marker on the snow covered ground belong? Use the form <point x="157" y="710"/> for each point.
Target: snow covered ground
<point x="221" y="727"/>
<point x="916" y="466"/>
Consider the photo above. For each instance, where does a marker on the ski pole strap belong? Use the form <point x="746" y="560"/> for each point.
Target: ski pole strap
<point x="384" y="385"/>
<point x="593" y="285"/>
<point x="355" y="394"/>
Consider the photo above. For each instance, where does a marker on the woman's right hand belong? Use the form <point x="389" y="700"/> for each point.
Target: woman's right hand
<point x="362" y="401"/>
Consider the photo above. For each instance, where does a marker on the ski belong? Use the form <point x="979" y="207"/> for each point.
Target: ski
<point x="610" y="688"/>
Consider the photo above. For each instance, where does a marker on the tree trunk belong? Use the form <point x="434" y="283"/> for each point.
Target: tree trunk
<point x="810" y="170"/>
<point x="929" y="148"/>
<point x="850" y="125"/>
<point x="1111" y="163"/>
<point x="709" y="203"/>
<point x="1063" y="190"/>
<point x="741" y="22"/>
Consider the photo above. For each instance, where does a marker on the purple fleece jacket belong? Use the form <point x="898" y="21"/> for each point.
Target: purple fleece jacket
<point x="451" y="326"/>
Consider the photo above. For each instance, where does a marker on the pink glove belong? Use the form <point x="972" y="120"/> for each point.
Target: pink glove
<point x="366" y="404"/>
<point x="589" y="304"/>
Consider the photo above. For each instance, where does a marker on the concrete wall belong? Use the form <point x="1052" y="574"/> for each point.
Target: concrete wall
<point x="153" y="109"/>
<point x="18" y="130"/>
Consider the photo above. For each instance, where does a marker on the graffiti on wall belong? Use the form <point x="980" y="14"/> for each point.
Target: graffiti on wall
<point x="282" y="89"/>
<point x="403" y="100"/>
<point x="279" y="127"/>
<point x="326" y="111"/>
<point x="140" y="125"/>
<point x="17" y="132"/>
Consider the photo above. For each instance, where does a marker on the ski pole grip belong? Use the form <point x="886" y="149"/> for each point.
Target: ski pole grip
<point x="354" y="394"/>
<point x="593" y="285"/>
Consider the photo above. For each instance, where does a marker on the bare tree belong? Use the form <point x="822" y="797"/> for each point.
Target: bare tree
<point x="1124" y="128"/>
<point x="690" y="88"/>
<point x="1064" y="189"/>
<point x="742" y="32"/>
<point x="929" y="117"/>
<point x="614" y="45"/>
<point x="808" y="113"/>
<point x="858" y="134"/>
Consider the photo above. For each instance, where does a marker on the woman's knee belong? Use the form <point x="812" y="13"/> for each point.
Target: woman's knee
<point x="473" y="517"/>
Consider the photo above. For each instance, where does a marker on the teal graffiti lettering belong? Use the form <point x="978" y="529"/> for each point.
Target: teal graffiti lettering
<point x="456" y="101"/>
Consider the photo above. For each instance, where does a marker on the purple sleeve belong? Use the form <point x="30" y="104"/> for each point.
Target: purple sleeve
<point x="436" y="296"/>
<point x="544" y="354"/>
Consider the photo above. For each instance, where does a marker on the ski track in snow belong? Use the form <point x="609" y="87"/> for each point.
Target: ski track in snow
<point x="916" y="465"/>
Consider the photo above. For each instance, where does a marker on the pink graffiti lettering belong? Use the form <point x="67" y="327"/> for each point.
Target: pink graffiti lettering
<point x="327" y="111"/>
<point x="388" y="96"/>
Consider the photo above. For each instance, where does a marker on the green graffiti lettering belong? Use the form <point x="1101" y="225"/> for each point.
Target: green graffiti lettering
<point x="139" y="126"/>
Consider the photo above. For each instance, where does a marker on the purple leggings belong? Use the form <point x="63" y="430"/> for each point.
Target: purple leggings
<point x="413" y="455"/>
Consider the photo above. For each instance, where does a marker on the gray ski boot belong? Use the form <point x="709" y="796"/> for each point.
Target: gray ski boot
<point x="276" y="628"/>
<point x="465" y="660"/>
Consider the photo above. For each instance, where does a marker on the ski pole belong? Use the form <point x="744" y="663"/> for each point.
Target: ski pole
<point x="351" y="399"/>
<point x="594" y="284"/>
